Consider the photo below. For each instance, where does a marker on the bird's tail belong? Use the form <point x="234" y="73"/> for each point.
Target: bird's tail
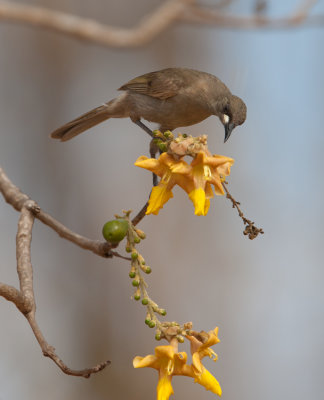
<point x="82" y="123"/>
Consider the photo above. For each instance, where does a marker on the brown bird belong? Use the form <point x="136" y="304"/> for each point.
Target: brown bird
<point x="172" y="97"/>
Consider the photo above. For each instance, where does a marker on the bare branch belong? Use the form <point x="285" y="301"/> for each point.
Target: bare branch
<point x="25" y="299"/>
<point x="170" y="12"/>
<point x="87" y="29"/>
<point x="49" y="351"/>
<point x="24" y="266"/>
<point x="17" y="199"/>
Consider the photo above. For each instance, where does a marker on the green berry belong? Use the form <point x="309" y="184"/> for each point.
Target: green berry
<point x="158" y="336"/>
<point x="136" y="239"/>
<point x="147" y="321"/>
<point x="151" y="324"/>
<point x="163" y="312"/>
<point x="148" y="270"/>
<point x="135" y="283"/>
<point x="128" y="249"/>
<point x="134" y="255"/>
<point x="137" y="297"/>
<point x="114" y="231"/>
<point x="145" y="302"/>
<point x="132" y="275"/>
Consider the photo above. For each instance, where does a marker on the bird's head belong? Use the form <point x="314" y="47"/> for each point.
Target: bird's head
<point x="231" y="110"/>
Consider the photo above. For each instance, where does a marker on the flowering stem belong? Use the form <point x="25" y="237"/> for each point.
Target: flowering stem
<point x="141" y="214"/>
<point x="251" y="230"/>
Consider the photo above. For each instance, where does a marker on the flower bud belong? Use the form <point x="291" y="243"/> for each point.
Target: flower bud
<point x="180" y="338"/>
<point x="140" y="233"/>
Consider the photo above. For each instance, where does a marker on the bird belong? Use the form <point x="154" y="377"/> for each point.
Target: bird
<point x="171" y="97"/>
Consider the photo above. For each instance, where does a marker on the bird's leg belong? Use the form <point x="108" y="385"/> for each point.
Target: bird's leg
<point x="153" y="150"/>
<point x="144" y="127"/>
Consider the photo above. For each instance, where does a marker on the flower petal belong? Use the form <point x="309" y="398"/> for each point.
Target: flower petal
<point x="196" y="364"/>
<point x="151" y="164"/>
<point x="159" y="196"/>
<point x="147" y="361"/>
<point x="165" y="352"/>
<point x="198" y="197"/>
<point x="164" y="388"/>
<point x="209" y="382"/>
<point x="212" y="339"/>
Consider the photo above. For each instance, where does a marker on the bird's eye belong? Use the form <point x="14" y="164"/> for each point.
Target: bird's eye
<point x="226" y="109"/>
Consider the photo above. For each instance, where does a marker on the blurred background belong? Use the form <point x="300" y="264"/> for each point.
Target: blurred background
<point x="265" y="295"/>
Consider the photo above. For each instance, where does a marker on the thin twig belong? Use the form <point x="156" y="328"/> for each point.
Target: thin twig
<point x="17" y="199"/>
<point x="141" y="214"/>
<point x="251" y="230"/>
<point x="49" y="351"/>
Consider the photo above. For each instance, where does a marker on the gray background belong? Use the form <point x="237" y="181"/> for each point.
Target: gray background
<point x="265" y="295"/>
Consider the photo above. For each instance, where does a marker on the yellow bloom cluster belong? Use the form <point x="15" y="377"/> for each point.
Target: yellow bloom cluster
<point x="195" y="178"/>
<point x="169" y="362"/>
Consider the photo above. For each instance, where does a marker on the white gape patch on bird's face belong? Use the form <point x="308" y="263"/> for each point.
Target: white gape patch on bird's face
<point x="226" y="118"/>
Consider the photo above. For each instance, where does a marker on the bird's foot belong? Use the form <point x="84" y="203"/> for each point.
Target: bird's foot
<point x="144" y="127"/>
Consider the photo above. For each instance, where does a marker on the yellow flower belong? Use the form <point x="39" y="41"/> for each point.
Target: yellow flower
<point x="207" y="170"/>
<point x="168" y="362"/>
<point x="199" y="350"/>
<point x="196" y="179"/>
<point x="172" y="172"/>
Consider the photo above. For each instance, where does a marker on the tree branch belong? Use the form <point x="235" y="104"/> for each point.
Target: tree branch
<point x="25" y="298"/>
<point x="17" y="199"/>
<point x="88" y="29"/>
<point x="152" y="25"/>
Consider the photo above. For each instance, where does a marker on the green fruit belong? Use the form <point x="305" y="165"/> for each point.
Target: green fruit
<point x="114" y="231"/>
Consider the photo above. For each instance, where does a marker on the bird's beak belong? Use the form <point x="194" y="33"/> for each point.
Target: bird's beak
<point x="229" y="126"/>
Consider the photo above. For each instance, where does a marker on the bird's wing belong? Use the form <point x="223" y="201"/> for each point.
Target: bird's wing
<point x="155" y="84"/>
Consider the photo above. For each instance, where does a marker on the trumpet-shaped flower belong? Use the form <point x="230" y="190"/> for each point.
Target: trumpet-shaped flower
<point x="196" y="179"/>
<point x="199" y="350"/>
<point x="168" y="362"/>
